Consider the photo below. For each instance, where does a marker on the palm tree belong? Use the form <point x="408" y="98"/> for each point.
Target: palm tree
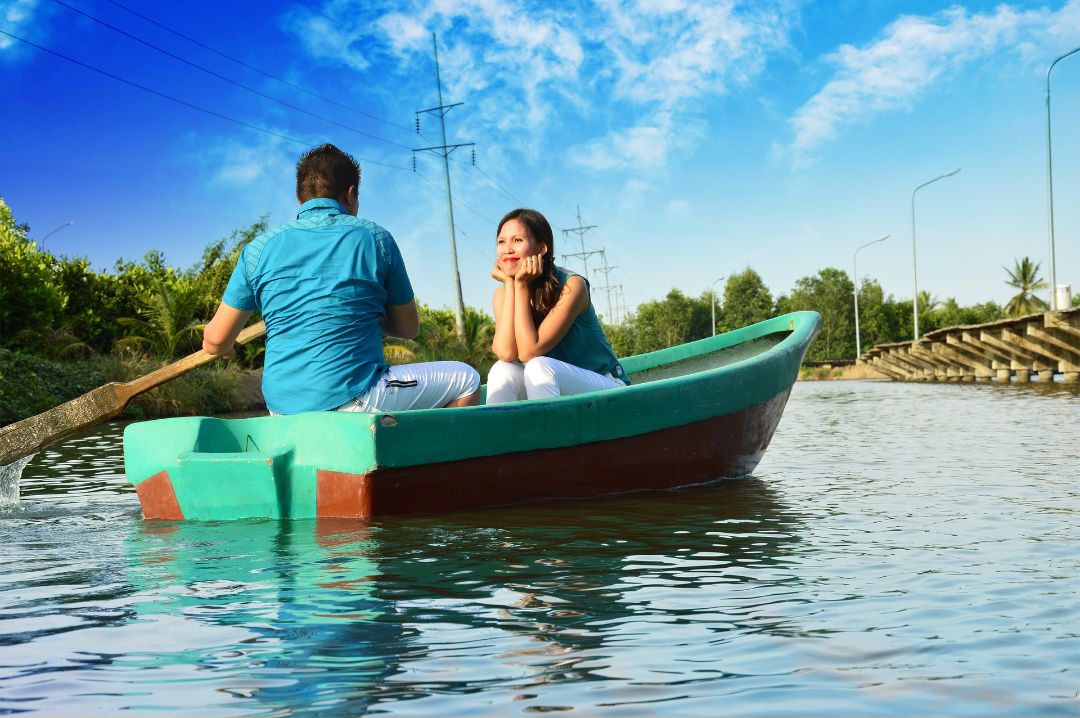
<point x="1024" y="276"/>
<point x="168" y="324"/>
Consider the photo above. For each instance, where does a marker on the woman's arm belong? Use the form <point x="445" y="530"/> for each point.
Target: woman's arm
<point x="503" y="345"/>
<point x="533" y="341"/>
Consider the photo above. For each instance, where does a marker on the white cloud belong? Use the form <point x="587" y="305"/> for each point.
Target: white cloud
<point x="16" y="15"/>
<point x="330" y="33"/>
<point x="678" y="207"/>
<point x="670" y="52"/>
<point x="652" y="64"/>
<point x="912" y="54"/>
<point x="262" y="167"/>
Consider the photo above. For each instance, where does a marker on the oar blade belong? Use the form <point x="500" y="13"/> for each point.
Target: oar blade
<point x="30" y="435"/>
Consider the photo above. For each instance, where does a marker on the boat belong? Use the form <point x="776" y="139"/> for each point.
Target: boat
<point x="695" y="412"/>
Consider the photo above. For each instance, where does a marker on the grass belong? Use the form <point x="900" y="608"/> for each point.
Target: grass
<point x="31" y="384"/>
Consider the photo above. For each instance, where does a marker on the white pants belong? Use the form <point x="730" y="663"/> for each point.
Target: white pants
<point x="541" y="378"/>
<point x="417" y="386"/>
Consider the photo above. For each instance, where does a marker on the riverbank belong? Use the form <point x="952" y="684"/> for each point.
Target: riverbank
<point x="31" y="384"/>
<point x="828" y="372"/>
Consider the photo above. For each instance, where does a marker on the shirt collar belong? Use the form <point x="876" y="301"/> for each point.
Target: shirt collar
<point x="321" y="203"/>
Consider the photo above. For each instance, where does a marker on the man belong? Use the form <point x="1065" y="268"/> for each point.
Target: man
<point x="329" y="285"/>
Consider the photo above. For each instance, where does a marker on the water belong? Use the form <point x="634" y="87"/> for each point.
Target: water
<point x="903" y="549"/>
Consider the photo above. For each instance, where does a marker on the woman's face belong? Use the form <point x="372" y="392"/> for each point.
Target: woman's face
<point x="513" y="244"/>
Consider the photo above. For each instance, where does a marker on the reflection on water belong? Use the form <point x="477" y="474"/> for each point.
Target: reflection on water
<point x="903" y="549"/>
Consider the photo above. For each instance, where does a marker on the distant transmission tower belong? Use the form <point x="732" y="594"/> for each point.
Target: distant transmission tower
<point x="620" y="303"/>
<point x="580" y="231"/>
<point x="444" y="150"/>
<point x="607" y="287"/>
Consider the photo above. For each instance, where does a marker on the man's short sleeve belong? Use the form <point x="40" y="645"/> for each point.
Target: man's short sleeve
<point x="398" y="287"/>
<point x="238" y="293"/>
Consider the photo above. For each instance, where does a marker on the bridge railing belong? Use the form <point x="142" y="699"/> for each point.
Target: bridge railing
<point x="1041" y="344"/>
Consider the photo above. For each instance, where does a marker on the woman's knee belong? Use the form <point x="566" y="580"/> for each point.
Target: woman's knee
<point x="540" y="370"/>
<point x="503" y="372"/>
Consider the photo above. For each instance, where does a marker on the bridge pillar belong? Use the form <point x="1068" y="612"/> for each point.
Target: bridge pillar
<point x="1004" y="376"/>
<point x="1046" y="375"/>
<point x="1023" y="375"/>
<point x="1072" y="377"/>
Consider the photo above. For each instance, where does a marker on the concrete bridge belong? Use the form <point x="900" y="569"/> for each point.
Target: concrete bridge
<point x="1038" y="344"/>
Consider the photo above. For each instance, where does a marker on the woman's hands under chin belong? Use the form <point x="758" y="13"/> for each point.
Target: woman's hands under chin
<point x="531" y="268"/>
<point x="498" y="274"/>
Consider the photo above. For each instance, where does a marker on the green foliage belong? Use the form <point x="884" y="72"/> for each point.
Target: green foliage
<point x="437" y="340"/>
<point x="746" y="301"/>
<point x="169" y="320"/>
<point x="31" y="384"/>
<point x="830" y="293"/>
<point x="659" y="324"/>
<point x="951" y="314"/>
<point x="30" y="296"/>
<point x="1024" y="276"/>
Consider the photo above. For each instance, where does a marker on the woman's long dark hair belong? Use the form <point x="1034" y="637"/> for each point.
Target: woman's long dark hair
<point x="545" y="290"/>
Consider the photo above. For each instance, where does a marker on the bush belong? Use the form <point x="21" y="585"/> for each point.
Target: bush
<point x="30" y="385"/>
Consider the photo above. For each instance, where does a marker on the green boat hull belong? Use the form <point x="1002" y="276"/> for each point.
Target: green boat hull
<point x="695" y="412"/>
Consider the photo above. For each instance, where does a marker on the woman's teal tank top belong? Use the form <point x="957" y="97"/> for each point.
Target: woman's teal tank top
<point x="585" y="344"/>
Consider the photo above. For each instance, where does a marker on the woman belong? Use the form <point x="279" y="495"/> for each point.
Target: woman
<point x="547" y="337"/>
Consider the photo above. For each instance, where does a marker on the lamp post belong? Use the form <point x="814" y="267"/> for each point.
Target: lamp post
<point x="41" y="242"/>
<point x="1050" y="184"/>
<point x="714" y="305"/>
<point x="914" y="263"/>
<point x="855" y="274"/>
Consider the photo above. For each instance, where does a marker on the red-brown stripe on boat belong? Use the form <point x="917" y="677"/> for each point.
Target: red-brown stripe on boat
<point x="342" y="495"/>
<point x="722" y="446"/>
<point x="158" y="498"/>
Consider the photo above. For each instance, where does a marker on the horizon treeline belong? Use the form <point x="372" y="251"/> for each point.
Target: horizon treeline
<point x="60" y="308"/>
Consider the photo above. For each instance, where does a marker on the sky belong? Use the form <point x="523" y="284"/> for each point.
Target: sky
<point x="694" y="139"/>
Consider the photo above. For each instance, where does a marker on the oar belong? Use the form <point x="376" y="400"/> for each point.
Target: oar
<point x="29" y="435"/>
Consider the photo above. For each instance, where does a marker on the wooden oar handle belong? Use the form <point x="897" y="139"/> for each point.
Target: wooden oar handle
<point x="32" y="434"/>
<point x="183" y="366"/>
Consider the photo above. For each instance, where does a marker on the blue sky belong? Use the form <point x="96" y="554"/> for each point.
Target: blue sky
<point x="699" y="138"/>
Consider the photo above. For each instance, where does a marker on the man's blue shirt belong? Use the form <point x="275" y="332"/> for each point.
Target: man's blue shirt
<point x="322" y="283"/>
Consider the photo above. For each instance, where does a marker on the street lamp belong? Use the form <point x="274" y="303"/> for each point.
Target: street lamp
<point x="714" y="305"/>
<point x="41" y="242"/>
<point x="1050" y="184"/>
<point x="855" y="274"/>
<point x="914" y="264"/>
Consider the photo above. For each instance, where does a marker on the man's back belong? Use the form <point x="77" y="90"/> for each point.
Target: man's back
<point x="322" y="283"/>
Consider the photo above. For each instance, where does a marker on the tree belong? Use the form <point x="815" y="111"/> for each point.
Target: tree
<point x="168" y="323"/>
<point x="30" y="296"/>
<point x="1024" y="276"/>
<point x="877" y="323"/>
<point x="660" y="324"/>
<point x="831" y="294"/>
<point x="746" y="301"/>
<point x="437" y="340"/>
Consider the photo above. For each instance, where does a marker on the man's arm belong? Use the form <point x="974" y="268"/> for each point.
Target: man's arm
<point x="221" y="332"/>
<point x="401" y="320"/>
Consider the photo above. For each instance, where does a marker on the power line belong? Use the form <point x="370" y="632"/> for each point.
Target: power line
<point x="474" y="244"/>
<point x="223" y="78"/>
<point x="185" y="103"/>
<point x="458" y="201"/>
<point x="264" y="73"/>
<point x="490" y="181"/>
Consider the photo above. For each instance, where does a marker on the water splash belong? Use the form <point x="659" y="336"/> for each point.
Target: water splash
<point x="9" y="482"/>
